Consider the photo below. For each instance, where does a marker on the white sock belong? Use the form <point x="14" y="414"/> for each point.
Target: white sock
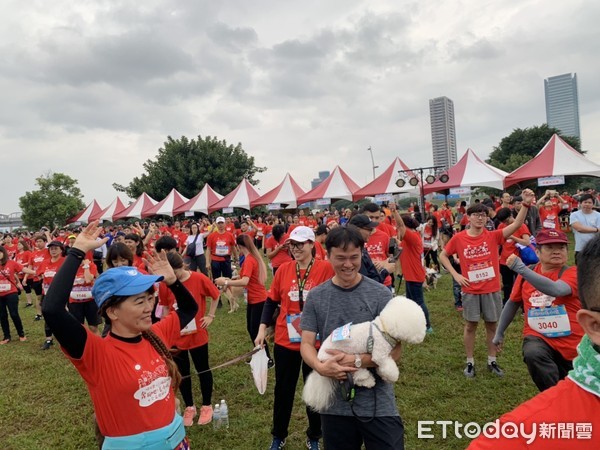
<point x="491" y="359"/>
<point x="471" y="360"/>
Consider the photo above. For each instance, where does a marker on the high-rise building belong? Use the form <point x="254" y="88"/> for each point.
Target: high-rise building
<point x="443" y="131"/>
<point x="317" y="181"/>
<point x="562" y="103"/>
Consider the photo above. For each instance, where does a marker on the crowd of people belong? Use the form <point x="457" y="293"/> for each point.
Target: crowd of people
<point x="148" y="283"/>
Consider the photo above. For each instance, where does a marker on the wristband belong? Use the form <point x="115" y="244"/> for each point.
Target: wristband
<point x="86" y="267"/>
<point x="526" y="205"/>
<point x="226" y="283"/>
<point x="596" y="229"/>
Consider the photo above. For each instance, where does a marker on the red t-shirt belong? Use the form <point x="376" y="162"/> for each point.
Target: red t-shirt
<point x="447" y="215"/>
<point x="377" y="247"/>
<point x="282" y="256"/>
<point x="48" y="270"/>
<point x="387" y="229"/>
<point x="523" y="291"/>
<point x="7" y="277"/>
<point x="428" y="236"/>
<point x="220" y="245"/>
<point x="129" y="382"/>
<point x="549" y="217"/>
<point x="292" y="227"/>
<point x="438" y="217"/>
<point x="284" y="290"/>
<point x="230" y="228"/>
<point x="303" y="220"/>
<point x="260" y="231"/>
<point x="200" y="287"/>
<point x="410" y="258"/>
<point x="256" y="290"/>
<point x="23" y="258"/>
<point x="11" y="249"/>
<point x="510" y="247"/>
<point x="320" y="252"/>
<point x="37" y="259"/>
<point x="82" y="291"/>
<point x="564" y="404"/>
<point x="479" y="259"/>
<point x="138" y="263"/>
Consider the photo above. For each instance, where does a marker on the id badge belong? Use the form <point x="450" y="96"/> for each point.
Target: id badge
<point x="293" y="327"/>
<point x="190" y="328"/>
<point x="342" y="333"/>
<point x="551" y="322"/>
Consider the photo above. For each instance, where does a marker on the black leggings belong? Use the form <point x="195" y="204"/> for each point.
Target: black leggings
<point x="200" y="358"/>
<point x="10" y="302"/>
<point x="431" y="255"/>
<point x="253" y="315"/>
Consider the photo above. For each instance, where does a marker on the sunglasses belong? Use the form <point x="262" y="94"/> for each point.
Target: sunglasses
<point x="297" y="245"/>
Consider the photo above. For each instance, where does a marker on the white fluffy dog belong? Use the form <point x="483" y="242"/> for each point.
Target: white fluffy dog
<point x="402" y="320"/>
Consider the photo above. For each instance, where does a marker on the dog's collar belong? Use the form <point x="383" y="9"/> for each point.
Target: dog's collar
<point x="387" y="336"/>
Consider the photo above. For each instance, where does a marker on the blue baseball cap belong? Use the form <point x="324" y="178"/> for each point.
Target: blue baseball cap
<point x="122" y="281"/>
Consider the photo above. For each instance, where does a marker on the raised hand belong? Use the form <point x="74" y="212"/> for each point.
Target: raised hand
<point x="158" y="264"/>
<point x="88" y="238"/>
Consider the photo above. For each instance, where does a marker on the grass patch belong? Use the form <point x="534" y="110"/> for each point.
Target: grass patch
<point x="44" y="403"/>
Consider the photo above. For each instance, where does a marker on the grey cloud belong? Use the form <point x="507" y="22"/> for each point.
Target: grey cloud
<point x="232" y="39"/>
<point x="480" y="49"/>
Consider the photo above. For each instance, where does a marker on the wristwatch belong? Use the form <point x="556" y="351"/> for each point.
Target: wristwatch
<point x="357" y="361"/>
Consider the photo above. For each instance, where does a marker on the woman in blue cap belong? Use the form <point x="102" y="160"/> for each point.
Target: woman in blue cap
<point x="130" y="374"/>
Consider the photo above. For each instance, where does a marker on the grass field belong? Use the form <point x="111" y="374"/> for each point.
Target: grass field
<point x="45" y="405"/>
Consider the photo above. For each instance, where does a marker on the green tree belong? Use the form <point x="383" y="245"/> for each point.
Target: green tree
<point x="57" y="199"/>
<point x="522" y="145"/>
<point x="187" y="165"/>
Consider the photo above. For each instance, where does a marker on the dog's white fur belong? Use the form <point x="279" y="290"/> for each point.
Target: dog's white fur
<point x="402" y="318"/>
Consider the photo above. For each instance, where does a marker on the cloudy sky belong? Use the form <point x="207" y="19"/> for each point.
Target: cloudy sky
<point x="93" y="88"/>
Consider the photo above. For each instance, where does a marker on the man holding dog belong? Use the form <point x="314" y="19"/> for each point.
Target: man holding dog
<point x="357" y="415"/>
<point x="477" y="249"/>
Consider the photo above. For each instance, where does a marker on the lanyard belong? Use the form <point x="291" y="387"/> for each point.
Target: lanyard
<point x="302" y="281"/>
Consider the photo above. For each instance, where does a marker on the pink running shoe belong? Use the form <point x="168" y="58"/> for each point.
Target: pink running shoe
<point x="188" y="416"/>
<point x="206" y="413"/>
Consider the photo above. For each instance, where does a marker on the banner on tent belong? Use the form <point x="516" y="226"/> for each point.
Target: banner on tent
<point x="462" y="190"/>
<point x="227" y="210"/>
<point x="380" y="198"/>
<point x="324" y="201"/>
<point x="273" y="206"/>
<point x="188" y="214"/>
<point x="551" y="181"/>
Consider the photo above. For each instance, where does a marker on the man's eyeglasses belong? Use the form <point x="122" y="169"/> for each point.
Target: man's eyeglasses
<point x="479" y="215"/>
<point x="296" y="245"/>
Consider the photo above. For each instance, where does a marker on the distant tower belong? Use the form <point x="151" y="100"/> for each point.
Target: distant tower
<point x="443" y="131"/>
<point x="562" y="104"/>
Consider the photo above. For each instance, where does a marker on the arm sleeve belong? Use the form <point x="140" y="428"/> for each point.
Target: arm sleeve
<point x="268" y="310"/>
<point x="545" y="285"/>
<point x="186" y="304"/>
<point x="508" y="314"/>
<point x="68" y="331"/>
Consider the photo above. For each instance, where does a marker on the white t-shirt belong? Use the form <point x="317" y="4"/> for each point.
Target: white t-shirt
<point x="199" y="245"/>
<point x="589" y="220"/>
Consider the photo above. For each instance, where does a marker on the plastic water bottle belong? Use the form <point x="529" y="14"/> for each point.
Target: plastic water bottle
<point x="216" y="417"/>
<point x="224" y="414"/>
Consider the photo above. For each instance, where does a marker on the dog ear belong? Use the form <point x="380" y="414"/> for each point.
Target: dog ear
<point x="405" y="321"/>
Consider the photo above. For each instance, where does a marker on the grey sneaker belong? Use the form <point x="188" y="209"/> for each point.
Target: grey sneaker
<point x="469" y="371"/>
<point x="495" y="369"/>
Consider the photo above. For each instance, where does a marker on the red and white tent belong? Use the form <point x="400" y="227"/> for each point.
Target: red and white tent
<point x="286" y="193"/>
<point x="241" y="197"/>
<point x="84" y="216"/>
<point x="201" y="202"/>
<point x="111" y="210"/>
<point x="469" y="171"/>
<point x="557" y="158"/>
<point x="167" y="206"/>
<point x="386" y="182"/>
<point x="338" y="185"/>
<point x="143" y="203"/>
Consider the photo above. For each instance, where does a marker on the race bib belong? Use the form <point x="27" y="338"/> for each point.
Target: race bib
<point x="49" y="273"/>
<point x="551" y="322"/>
<point x="81" y="293"/>
<point x="549" y="224"/>
<point x="190" y="328"/>
<point x="342" y="333"/>
<point x="293" y="327"/>
<point x="481" y="272"/>
<point x="5" y="287"/>
<point x="222" y="249"/>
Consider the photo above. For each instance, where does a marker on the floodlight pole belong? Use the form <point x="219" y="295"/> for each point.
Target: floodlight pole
<point x="372" y="161"/>
<point x="420" y="171"/>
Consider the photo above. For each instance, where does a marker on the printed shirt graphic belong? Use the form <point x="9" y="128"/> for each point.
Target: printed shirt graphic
<point x="220" y="245"/>
<point x="82" y="291"/>
<point x="7" y="277"/>
<point x="129" y="382"/>
<point x="523" y="291"/>
<point x="37" y="259"/>
<point x="377" y="247"/>
<point x="48" y="270"/>
<point x="479" y="256"/>
<point x="284" y="289"/>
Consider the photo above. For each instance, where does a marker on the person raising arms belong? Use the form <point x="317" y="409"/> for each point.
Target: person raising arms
<point x="130" y="374"/>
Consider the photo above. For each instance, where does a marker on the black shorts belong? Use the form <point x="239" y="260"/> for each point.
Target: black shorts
<point x="36" y="286"/>
<point x="87" y="311"/>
